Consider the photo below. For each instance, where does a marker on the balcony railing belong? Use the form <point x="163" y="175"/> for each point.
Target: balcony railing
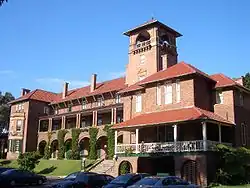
<point x="165" y="147"/>
<point x="142" y="44"/>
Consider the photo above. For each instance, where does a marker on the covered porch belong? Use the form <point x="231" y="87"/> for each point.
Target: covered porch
<point x="184" y="130"/>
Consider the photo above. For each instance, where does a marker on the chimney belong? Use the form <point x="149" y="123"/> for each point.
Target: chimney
<point x="239" y="80"/>
<point x="93" y="82"/>
<point x="24" y="91"/>
<point x="65" y="89"/>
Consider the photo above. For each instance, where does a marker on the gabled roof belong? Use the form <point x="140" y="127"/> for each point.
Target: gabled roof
<point x="172" y="116"/>
<point x="149" y="23"/>
<point x="104" y="87"/>
<point x="39" y="95"/>
<point x="224" y="81"/>
<point x="175" y="71"/>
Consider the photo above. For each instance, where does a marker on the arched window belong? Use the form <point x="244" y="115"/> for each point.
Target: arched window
<point x="143" y="36"/>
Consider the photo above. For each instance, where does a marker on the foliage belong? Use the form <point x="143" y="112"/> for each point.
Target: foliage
<point x="61" y="148"/>
<point x="111" y="141"/>
<point x="93" y="141"/>
<point x="75" y="138"/>
<point x="2" y="1"/>
<point x="68" y="154"/>
<point x="128" y="151"/>
<point x="246" y="80"/>
<point x="47" y="151"/>
<point x="5" y="108"/>
<point x="124" y="167"/>
<point x="234" y="165"/>
<point x="28" y="160"/>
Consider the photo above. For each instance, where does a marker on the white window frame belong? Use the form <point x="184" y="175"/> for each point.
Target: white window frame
<point x="17" y="146"/>
<point x="168" y="93"/>
<point x="219" y="97"/>
<point x="21" y="125"/>
<point x="138" y="102"/>
<point x="178" y="91"/>
<point x="84" y="105"/>
<point x="243" y="134"/>
<point x="158" y="94"/>
<point x="241" y="99"/>
<point x="117" y="98"/>
<point x="100" y="101"/>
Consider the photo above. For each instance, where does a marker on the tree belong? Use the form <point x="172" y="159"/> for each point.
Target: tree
<point x="2" y="1"/>
<point x="5" y="108"/>
<point x="28" y="161"/>
<point x="246" y="80"/>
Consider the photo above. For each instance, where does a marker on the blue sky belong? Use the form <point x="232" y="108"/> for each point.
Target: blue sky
<point x="43" y="43"/>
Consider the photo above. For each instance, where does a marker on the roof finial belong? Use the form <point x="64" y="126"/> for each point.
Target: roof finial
<point x="152" y="16"/>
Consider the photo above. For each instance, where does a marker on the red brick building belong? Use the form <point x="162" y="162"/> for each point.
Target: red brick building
<point x="162" y="110"/>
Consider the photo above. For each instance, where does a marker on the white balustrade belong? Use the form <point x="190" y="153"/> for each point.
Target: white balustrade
<point x="165" y="147"/>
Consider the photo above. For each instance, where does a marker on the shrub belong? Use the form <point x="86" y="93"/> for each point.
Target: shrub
<point x="75" y="138"/>
<point x="47" y="151"/>
<point x="124" y="168"/>
<point x="68" y="154"/>
<point x="28" y="161"/>
<point x="61" y="148"/>
<point x="92" y="140"/>
<point x="111" y="141"/>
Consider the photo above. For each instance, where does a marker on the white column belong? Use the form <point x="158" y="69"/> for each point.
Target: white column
<point x="204" y="135"/>
<point x="116" y="135"/>
<point x="137" y="140"/>
<point x="175" y="133"/>
<point x="219" y="126"/>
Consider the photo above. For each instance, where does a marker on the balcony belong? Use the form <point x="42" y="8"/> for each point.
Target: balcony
<point x="168" y="147"/>
<point x="142" y="46"/>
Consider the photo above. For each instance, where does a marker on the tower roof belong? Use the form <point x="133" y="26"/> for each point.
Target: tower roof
<point x="151" y="23"/>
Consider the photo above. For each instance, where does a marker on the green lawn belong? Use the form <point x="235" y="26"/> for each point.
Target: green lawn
<point x="51" y="167"/>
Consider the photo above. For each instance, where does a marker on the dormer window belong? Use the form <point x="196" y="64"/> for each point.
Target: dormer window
<point x="117" y="98"/>
<point x="84" y="105"/>
<point x="70" y="108"/>
<point x="219" y="97"/>
<point x="100" y="101"/>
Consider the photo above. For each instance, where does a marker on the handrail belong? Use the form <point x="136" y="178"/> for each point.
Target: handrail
<point x="96" y="162"/>
<point x="109" y="168"/>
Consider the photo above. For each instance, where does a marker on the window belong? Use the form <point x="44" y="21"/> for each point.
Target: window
<point x="138" y="106"/>
<point x="117" y="98"/>
<point x="15" y="146"/>
<point x="46" y="110"/>
<point x="178" y="92"/>
<point x="70" y="108"/>
<point x="19" y="107"/>
<point x="84" y="105"/>
<point x="168" y="93"/>
<point x="243" y="134"/>
<point x="158" y="94"/>
<point x="83" y="124"/>
<point x="219" y="97"/>
<point x="241" y="99"/>
<point x="100" y="101"/>
<point x="142" y="59"/>
<point x="99" y="121"/>
<point x="19" y="124"/>
<point x="56" y="111"/>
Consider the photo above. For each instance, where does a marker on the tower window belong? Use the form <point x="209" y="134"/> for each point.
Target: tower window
<point x="168" y="93"/>
<point x="138" y="106"/>
<point x="178" y="91"/>
<point x="142" y="59"/>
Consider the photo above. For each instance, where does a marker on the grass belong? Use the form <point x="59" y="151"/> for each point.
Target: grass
<point x="52" y="167"/>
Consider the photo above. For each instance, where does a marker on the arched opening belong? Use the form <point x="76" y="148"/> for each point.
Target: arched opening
<point x="68" y="148"/>
<point x="102" y="147"/>
<point x="54" y="149"/>
<point x="41" y="147"/>
<point x="165" y="39"/>
<point x="84" y="146"/>
<point x="120" y="139"/>
<point x="143" y="36"/>
<point x="189" y="171"/>
<point x="125" y="167"/>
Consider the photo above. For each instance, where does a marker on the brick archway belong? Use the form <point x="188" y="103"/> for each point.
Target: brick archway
<point x="125" y="167"/>
<point x="41" y="147"/>
<point x="189" y="171"/>
<point x="84" y="146"/>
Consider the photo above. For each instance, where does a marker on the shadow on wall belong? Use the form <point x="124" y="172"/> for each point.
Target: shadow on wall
<point x="47" y="170"/>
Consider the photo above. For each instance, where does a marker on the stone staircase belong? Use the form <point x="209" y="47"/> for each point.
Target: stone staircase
<point x="105" y="167"/>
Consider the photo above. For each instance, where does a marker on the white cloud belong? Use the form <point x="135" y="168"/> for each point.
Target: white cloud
<point x="58" y="81"/>
<point x="116" y="74"/>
